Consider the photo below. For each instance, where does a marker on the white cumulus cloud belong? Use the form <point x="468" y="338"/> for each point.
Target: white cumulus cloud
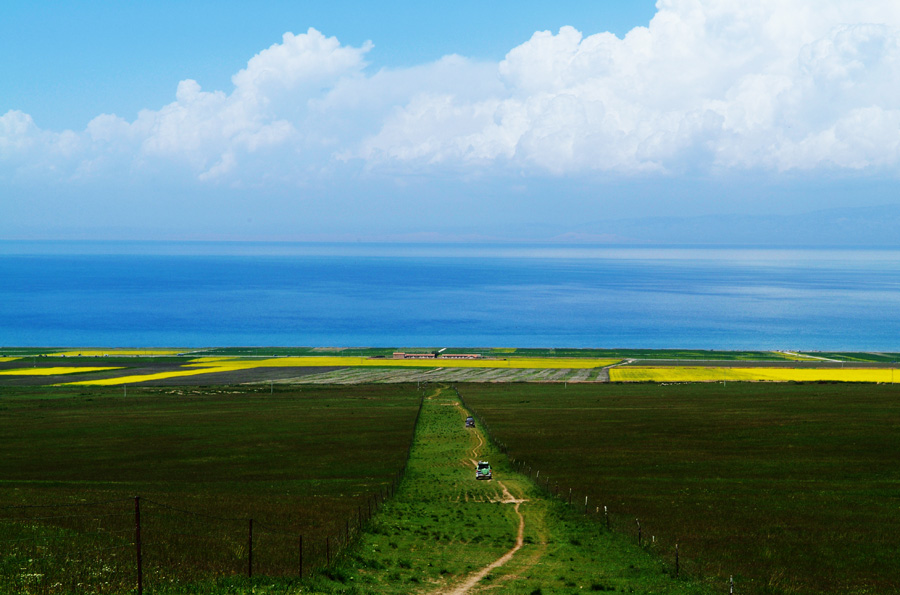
<point x="781" y="84"/>
<point x="712" y="85"/>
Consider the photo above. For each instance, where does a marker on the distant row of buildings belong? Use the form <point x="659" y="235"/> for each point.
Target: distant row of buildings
<point x="437" y="355"/>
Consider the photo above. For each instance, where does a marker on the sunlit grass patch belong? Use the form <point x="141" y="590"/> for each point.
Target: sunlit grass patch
<point x="725" y="374"/>
<point x="53" y="371"/>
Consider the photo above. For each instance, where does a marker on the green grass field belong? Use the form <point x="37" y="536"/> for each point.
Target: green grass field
<point x="790" y="488"/>
<point x="846" y="356"/>
<point x="686" y="354"/>
<point x="204" y="461"/>
<point x="444" y="527"/>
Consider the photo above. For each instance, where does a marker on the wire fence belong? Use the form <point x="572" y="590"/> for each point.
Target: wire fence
<point x="593" y="507"/>
<point x="140" y="544"/>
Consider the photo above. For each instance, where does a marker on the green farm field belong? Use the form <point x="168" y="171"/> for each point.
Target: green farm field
<point x="204" y="461"/>
<point x="790" y="488"/>
<point x="653" y="354"/>
<point x="858" y="357"/>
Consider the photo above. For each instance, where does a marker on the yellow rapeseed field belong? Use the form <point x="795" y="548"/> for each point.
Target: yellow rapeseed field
<point x="211" y="365"/>
<point x="720" y="374"/>
<point x="9" y="359"/>
<point x="191" y="369"/>
<point x="51" y="371"/>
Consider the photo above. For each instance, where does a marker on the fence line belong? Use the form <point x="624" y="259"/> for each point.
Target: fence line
<point x="608" y="521"/>
<point x="101" y="540"/>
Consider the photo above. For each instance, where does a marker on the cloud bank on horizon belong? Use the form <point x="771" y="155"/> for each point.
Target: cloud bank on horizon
<point x="709" y="85"/>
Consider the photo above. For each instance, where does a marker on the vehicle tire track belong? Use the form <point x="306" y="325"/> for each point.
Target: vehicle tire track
<point x="475" y="450"/>
<point x="473" y="579"/>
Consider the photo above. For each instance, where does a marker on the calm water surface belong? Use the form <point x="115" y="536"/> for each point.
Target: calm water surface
<point x="206" y="294"/>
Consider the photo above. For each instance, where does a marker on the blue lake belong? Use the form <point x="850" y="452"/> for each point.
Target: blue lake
<point x="223" y="294"/>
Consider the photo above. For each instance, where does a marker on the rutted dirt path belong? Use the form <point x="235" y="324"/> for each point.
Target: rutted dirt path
<point x="473" y="579"/>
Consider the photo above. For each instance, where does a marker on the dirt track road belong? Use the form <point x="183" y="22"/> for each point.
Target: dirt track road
<point x="473" y="579"/>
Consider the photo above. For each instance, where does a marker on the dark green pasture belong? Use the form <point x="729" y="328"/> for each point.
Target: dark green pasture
<point x="205" y="460"/>
<point x="790" y="488"/>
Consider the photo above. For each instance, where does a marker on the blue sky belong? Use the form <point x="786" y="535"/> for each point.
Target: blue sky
<point x="406" y="121"/>
<point x="66" y="62"/>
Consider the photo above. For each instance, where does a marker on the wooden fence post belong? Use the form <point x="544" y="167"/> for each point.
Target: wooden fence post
<point x="137" y="545"/>
<point x="676" y="561"/>
<point x="301" y="556"/>
<point x="250" y="551"/>
<point x="327" y="551"/>
<point x="639" y="530"/>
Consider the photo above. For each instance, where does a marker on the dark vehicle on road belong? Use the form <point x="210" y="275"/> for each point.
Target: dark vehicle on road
<point x="470" y="422"/>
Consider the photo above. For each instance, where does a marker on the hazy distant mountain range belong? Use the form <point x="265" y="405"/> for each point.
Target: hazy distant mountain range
<point x="865" y="226"/>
